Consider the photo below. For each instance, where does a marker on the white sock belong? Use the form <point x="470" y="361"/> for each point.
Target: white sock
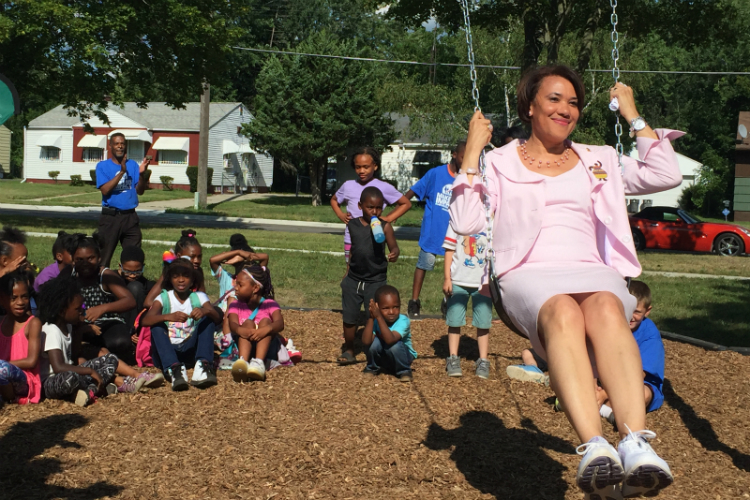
<point x="605" y="411"/>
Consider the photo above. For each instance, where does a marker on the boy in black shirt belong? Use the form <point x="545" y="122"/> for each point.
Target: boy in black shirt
<point x="368" y="266"/>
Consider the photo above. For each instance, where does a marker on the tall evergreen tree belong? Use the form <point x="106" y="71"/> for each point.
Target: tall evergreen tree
<point x="310" y="109"/>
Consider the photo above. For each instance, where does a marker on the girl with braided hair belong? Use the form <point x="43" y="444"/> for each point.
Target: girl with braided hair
<point x="256" y="322"/>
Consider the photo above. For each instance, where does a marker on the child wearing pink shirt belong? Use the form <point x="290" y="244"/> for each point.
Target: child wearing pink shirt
<point x="256" y="322"/>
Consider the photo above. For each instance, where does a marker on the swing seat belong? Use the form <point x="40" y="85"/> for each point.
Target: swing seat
<point x="497" y="302"/>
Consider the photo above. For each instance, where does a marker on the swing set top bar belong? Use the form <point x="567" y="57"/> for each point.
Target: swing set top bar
<point x="485" y="66"/>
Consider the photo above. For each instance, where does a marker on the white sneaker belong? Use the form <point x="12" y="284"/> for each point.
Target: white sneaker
<point x="600" y="468"/>
<point x="239" y="370"/>
<point x="256" y="370"/>
<point x="645" y="472"/>
<point x="203" y="375"/>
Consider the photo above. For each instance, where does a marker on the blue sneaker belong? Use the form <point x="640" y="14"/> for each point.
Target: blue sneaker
<point x="527" y="373"/>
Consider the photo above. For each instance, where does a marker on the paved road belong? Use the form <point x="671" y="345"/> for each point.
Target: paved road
<point x="160" y="217"/>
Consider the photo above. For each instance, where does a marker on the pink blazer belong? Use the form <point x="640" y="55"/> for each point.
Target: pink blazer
<point x="517" y="199"/>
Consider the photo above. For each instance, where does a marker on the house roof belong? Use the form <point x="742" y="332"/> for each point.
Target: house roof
<point x="157" y="116"/>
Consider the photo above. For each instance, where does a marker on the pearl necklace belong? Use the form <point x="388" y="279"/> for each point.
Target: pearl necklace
<point x="559" y="162"/>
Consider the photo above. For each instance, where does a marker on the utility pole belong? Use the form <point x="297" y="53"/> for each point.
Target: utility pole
<point x="203" y="148"/>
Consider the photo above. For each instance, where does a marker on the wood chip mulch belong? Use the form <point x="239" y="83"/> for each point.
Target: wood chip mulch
<point x="323" y="431"/>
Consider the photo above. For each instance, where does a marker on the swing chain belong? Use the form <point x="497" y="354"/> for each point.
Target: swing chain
<point x="616" y="75"/>
<point x="470" y="51"/>
<point x="475" y="96"/>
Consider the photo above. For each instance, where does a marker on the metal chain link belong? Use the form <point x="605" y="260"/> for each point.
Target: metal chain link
<point x="475" y="96"/>
<point x="616" y="75"/>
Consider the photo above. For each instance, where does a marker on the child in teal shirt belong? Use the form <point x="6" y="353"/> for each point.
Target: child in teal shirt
<point x="387" y="336"/>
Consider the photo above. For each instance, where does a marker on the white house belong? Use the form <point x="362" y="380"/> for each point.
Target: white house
<point x="405" y="161"/>
<point x="690" y="172"/>
<point x="56" y="141"/>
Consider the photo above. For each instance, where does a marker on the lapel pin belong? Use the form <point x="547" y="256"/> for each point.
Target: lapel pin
<point x="598" y="171"/>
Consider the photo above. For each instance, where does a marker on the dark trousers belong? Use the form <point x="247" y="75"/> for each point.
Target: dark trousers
<point x="65" y="385"/>
<point x="394" y="358"/>
<point x="200" y="345"/>
<point x="121" y="228"/>
<point x="116" y="338"/>
<point x="140" y="290"/>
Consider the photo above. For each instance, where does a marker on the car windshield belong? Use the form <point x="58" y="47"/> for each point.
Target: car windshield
<point x="688" y="218"/>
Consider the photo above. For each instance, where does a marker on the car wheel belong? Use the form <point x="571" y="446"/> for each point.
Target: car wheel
<point x="638" y="240"/>
<point x="728" y="245"/>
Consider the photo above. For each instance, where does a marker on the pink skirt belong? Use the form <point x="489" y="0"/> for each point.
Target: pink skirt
<point x="525" y="289"/>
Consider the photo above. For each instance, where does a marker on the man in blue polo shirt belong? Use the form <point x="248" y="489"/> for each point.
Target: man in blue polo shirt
<point x="435" y="190"/>
<point x="121" y="181"/>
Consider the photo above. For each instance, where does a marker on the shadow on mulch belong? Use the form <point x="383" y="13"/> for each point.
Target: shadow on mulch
<point x="702" y="430"/>
<point x="23" y="475"/>
<point x="503" y="461"/>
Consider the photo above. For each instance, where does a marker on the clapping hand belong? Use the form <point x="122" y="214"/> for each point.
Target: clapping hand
<point x="375" y="310"/>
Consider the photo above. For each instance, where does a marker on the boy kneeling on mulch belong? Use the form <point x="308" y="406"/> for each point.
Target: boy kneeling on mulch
<point x="387" y="336"/>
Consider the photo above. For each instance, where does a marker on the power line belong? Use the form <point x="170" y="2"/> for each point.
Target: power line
<point x="485" y="66"/>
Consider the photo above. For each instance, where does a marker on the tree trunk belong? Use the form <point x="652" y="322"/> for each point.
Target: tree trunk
<point x="587" y="40"/>
<point x="317" y="171"/>
<point x="555" y="36"/>
<point x="531" y="45"/>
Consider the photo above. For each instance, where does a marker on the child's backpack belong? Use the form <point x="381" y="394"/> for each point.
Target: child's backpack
<point x="143" y="347"/>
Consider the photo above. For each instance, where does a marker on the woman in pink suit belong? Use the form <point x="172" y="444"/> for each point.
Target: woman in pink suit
<point x="563" y="248"/>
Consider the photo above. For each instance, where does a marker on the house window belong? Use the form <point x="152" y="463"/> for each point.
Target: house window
<point x="177" y="157"/>
<point x="135" y="151"/>
<point x="93" y="155"/>
<point x="49" y="153"/>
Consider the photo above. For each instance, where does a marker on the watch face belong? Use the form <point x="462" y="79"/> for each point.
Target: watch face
<point x="639" y="123"/>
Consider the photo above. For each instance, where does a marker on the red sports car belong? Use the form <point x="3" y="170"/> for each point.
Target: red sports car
<point x="674" y="229"/>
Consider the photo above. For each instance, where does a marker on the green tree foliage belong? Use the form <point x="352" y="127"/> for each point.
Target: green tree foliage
<point x="309" y="109"/>
<point x="81" y="51"/>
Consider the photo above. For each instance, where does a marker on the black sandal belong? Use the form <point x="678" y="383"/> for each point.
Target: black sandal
<point x="346" y="358"/>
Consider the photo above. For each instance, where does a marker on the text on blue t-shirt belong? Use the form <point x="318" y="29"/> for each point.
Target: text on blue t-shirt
<point x="435" y="190"/>
<point x="123" y="196"/>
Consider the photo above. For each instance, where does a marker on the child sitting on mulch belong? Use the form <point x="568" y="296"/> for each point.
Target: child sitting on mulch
<point x="240" y="254"/>
<point x="256" y="322"/>
<point x="388" y="336"/>
<point x="182" y="328"/>
<point x="463" y="280"/>
<point x="652" y="354"/>
<point x="20" y="341"/>
<point x="60" y="310"/>
<point x="187" y="247"/>
<point x="368" y="265"/>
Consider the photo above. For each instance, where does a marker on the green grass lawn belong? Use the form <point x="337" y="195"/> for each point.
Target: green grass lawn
<point x="296" y="208"/>
<point x="13" y="191"/>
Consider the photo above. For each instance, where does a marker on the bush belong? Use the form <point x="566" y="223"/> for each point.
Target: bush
<point x="16" y="170"/>
<point x="166" y="182"/>
<point x="76" y="180"/>
<point x="92" y="173"/>
<point x="53" y="174"/>
<point x="192" y="173"/>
